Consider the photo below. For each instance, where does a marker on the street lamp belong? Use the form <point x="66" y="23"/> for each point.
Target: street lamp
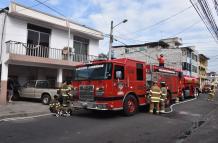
<point x="111" y="36"/>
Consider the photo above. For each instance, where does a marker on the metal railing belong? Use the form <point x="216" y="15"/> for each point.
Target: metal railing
<point x="19" y="48"/>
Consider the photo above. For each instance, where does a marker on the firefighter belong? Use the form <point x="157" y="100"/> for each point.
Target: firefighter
<point x="161" y="60"/>
<point x="65" y="93"/>
<point x="211" y="93"/>
<point x="155" y="98"/>
<point x="163" y="97"/>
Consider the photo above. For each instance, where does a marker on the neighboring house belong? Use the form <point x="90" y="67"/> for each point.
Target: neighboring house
<point x="34" y="45"/>
<point x="148" y="52"/>
<point x="184" y="58"/>
<point x="190" y="61"/>
<point x="203" y="64"/>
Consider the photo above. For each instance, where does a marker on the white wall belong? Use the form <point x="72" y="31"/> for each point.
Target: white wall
<point x="173" y="56"/>
<point x="93" y="47"/>
<point x="16" y="30"/>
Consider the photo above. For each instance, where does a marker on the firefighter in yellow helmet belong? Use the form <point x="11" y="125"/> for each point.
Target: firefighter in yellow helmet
<point x="163" y="97"/>
<point x="155" y="98"/>
<point x="211" y="93"/>
<point x="65" y="93"/>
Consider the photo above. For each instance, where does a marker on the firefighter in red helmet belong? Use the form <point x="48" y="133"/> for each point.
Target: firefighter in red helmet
<point x="161" y="60"/>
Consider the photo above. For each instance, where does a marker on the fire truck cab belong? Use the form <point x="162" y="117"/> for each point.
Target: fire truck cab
<point x="117" y="84"/>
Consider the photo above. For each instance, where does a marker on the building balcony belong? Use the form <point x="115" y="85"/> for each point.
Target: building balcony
<point x="41" y="54"/>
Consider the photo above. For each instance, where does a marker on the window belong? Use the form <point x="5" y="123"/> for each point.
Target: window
<point x="126" y="51"/>
<point x="42" y="84"/>
<point x="194" y="69"/>
<point x="80" y="45"/>
<point x="189" y="54"/>
<point x="184" y="53"/>
<point x="186" y="66"/>
<point x="119" y="68"/>
<point x="139" y="71"/>
<point x="38" y="40"/>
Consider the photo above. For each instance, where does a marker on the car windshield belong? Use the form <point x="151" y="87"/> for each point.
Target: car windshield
<point x="94" y="72"/>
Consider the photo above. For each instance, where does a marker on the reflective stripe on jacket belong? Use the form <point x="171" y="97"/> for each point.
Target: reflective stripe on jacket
<point x="155" y="93"/>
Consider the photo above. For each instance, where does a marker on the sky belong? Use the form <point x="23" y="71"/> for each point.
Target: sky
<point x="140" y="15"/>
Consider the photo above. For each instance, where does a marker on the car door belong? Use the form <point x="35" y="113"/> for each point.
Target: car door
<point x="28" y="90"/>
<point x="119" y="84"/>
<point x="41" y="86"/>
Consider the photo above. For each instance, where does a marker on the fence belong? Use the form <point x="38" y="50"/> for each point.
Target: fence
<point x="20" y="48"/>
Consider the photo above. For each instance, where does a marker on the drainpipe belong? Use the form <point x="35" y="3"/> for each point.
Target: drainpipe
<point x="3" y="30"/>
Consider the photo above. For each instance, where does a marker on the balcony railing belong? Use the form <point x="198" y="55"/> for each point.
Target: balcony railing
<point x="19" y="48"/>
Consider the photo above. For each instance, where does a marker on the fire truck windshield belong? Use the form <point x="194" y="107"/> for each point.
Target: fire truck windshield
<point x="94" y="72"/>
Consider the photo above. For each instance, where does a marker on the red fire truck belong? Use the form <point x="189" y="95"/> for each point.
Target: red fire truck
<point x="121" y="84"/>
<point x="117" y="84"/>
<point x="172" y="77"/>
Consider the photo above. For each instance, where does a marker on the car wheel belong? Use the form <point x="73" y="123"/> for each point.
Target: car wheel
<point x="46" y="99"/>
<point x="130" y="105"/>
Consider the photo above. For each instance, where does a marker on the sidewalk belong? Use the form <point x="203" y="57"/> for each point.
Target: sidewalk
<point x="22" y="109"/>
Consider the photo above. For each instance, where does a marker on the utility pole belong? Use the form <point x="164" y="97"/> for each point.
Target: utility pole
<point x="111" y="36"/>
<point x="111" y="40"/>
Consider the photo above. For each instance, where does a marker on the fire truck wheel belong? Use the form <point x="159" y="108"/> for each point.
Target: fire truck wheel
<point x="182" y="96"/>
<point x="130" y="105"/>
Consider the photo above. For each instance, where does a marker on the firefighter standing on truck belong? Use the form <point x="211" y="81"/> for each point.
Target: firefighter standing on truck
<point x="163" y="97"/>
<point x="155" y="98"/>
<point x="161" y="60"/>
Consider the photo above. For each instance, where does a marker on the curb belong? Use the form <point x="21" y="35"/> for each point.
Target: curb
<point x="22" y="115"/>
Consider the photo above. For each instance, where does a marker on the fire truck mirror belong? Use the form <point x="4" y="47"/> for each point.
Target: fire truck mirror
<point x="118" y="74"/>
<point x="180" y="74"/>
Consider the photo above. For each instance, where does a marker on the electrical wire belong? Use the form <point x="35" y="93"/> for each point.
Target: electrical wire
<point x="161" y="21"/>
<point x="54" y="10"/>
<point x="32" y="6"/>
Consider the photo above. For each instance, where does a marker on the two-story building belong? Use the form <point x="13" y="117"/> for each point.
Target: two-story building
<point x="37" y="45"/>
<point x="203" y="64"/>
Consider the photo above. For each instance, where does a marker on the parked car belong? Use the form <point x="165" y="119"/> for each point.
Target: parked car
<point x="206" y="88"/>
<point x="38" y="89"/>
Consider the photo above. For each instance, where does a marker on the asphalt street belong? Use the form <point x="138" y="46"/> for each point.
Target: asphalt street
<point x="187" y="123"/>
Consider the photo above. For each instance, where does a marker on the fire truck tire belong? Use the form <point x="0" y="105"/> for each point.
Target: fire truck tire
<point x="182" y="96"/>
<point x="130" y="105"/>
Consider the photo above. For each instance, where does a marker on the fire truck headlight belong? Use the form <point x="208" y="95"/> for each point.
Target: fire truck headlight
<point x="99" y="91"/>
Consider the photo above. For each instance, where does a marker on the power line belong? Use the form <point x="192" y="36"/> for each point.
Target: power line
<point x="161" y="21"/>
<point x="54" y="10"/>
<point x="35" y="5"/>
<point x="206" y="16"/>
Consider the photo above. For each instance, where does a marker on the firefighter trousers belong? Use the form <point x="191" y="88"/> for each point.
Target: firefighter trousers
<point x="155" y="105"/>
<point x="162" y="105"/>
<point x="211" y="96"/>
